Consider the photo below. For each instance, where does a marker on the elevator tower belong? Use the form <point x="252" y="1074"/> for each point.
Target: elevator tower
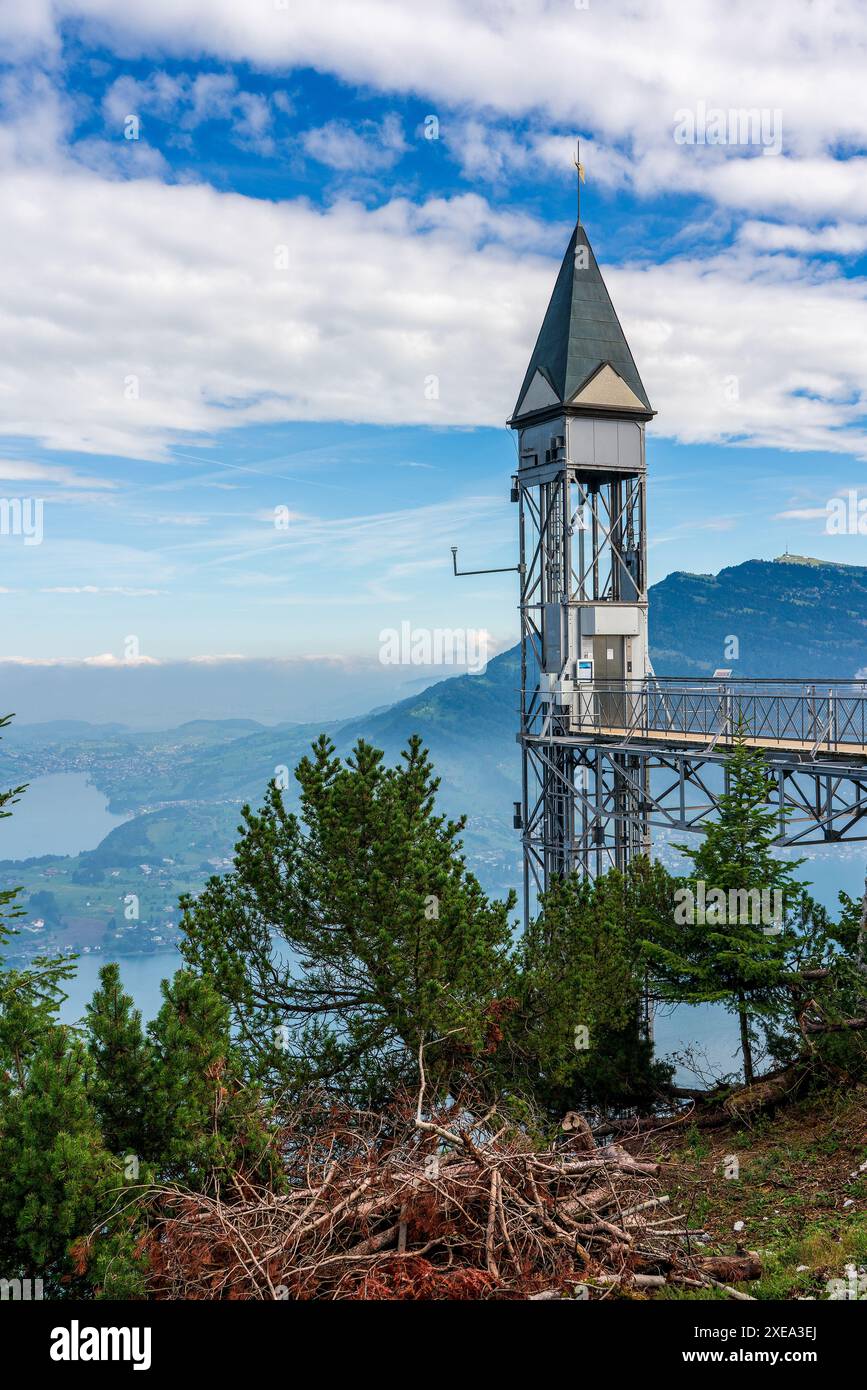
<point x="581" y="492"/>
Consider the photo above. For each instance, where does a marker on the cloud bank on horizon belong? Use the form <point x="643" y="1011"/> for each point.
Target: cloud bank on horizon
<point x="253" y="254"/>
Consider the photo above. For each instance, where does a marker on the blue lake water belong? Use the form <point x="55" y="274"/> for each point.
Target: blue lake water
<point x="706" y="1028"/>
<point x="141" y="977"/>
<point x="62" y="813"/>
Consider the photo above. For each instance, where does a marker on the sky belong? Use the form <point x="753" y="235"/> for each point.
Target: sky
<point x="271" y="272"/>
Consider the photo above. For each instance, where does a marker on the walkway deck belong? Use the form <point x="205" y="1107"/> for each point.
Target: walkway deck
<point x="668" y="735"/>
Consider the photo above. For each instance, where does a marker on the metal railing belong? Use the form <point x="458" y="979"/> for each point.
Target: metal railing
<point x="814" y="716"/>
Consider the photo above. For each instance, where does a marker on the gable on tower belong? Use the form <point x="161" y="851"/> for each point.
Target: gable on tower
<point x="581" y="357"/>
<point x="606" y="388"/>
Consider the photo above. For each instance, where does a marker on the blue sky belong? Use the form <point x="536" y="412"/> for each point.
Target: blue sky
<point x="242" y="309"/>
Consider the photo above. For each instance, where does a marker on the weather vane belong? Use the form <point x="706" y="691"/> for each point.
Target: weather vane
<point x="576" y="160"/>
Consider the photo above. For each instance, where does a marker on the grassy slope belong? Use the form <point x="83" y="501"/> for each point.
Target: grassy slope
<point x="795" y="1175"/>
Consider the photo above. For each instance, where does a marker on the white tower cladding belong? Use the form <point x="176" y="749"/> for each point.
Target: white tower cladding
<point x="580" y="485"/>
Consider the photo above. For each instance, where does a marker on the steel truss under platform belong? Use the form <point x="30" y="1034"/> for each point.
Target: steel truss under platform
<point x="590" y="805"/>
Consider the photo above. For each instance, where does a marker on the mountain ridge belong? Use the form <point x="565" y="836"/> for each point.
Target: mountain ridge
<point x="765" y="605"/>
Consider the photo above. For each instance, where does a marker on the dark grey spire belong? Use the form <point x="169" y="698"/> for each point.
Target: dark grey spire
<point x="580" y="337"/>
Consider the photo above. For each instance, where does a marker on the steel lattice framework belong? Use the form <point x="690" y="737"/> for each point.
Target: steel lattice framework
<point x="581" y="546"/>
<point x="593" y="794"/>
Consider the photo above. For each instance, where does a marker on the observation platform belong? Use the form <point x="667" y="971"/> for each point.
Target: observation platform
<point x="815" y="719"/>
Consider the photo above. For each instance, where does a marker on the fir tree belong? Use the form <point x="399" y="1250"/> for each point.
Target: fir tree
<point x="57" y="1174"/>
<point x="730" y="957"/>
<point x="586" y="1036"/>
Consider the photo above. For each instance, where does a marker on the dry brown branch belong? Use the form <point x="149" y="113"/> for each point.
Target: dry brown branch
<point x="411" y="1205"/>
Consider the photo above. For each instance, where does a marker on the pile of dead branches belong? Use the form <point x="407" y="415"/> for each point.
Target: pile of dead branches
<point x="421" y="1204"/>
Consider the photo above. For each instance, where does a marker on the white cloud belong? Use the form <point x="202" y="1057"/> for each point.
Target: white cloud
<point x="218" y="659"/>
<point x="190" y="102"/>
<point x="365" y="544"/>
<point x="764" y="350"/>
<point x="839" y="239"/>
<point x="366" y="148"/>
<point x="19" y="471"/>
<point x="25" y="29"/>
<point x="632" y="59"/>
<point x="135" y="314"/>
<point x="166" y="313"/>
<point x="108" y="661"/>
<point x="101" y="589"/>
<point x="804" y="186"/>
<point x="37" y="121"/>
<point x="496" y="154"/>
<point x="105" y="660"/>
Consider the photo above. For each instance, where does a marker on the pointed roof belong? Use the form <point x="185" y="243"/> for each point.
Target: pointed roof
<point x="581" y="336"/>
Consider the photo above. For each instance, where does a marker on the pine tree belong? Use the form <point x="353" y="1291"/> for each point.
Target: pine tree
<point x="834" y="986"/>
<point x="57" y="1174"/>
<point x="57" y="1179"/>
<point x="346" y="936"/>
<point x="118" y="1064"/>
<point x="201" y="1122"/>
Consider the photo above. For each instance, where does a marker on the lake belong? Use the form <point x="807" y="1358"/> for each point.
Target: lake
<point x="706" y="1027"/>
<point x="62" y="813"/>
<point x="141" y="976"/>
